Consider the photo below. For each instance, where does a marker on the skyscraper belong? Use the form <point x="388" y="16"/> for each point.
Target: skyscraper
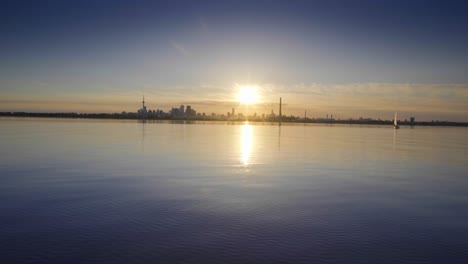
<point x="182" y="109"/>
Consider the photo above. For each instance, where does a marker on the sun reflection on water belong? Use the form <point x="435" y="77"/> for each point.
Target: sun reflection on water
<point x="246" y="144"/>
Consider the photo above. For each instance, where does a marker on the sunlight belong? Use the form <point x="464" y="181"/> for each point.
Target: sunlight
<point x="248" y="94"/>
<point x="246" y="143"/>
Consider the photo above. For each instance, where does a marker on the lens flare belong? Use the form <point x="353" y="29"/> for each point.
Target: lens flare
<point x="248" y="95"/>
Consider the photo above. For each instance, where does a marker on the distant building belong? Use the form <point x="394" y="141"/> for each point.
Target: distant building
<point x="412" y="119"/>
<point x="189" y="112"/>
<point x="143" y="110"/>
<point x="175" y="112"/>
<point x="182" y="110"/>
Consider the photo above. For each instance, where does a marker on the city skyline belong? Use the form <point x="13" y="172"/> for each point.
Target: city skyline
<point x="234" y="131"/>
<point x="343" y="58"/>
<point x="187" y="112"/>
<point x="318" y="109"/>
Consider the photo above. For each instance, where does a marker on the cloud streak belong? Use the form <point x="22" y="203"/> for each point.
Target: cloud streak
<point x="180" y="48"/>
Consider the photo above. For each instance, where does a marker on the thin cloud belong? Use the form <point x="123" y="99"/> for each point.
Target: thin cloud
<point x="180" y="48"/>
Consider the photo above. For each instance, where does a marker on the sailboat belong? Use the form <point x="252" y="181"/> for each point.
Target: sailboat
<point x="395" y="122"/>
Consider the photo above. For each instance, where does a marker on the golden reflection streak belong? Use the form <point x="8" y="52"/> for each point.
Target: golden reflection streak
<point x="246" y="144"/>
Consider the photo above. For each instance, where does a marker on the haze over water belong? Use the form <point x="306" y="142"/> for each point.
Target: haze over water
<point x="95" y="191"/>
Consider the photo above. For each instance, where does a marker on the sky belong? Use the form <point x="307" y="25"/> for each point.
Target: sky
<point x="346" y="58"/>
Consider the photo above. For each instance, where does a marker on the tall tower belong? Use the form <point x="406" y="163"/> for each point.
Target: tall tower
<point x="280" y="113"/>
<point x="280" y="108"/>
<point x="143" y="107"/>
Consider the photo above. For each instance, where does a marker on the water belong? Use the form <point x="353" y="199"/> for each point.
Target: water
<point x="96" y="191"/>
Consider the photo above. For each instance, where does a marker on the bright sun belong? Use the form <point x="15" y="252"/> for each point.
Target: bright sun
<point x="248" y="95"/>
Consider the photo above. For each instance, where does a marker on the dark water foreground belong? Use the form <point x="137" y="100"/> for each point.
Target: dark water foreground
<point x="84" y="191"/>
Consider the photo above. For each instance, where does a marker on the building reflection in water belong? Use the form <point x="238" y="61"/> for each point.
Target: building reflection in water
<point x="246" y="144"/>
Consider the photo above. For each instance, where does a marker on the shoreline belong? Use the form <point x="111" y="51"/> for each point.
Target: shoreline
<point x="285" y="119"/>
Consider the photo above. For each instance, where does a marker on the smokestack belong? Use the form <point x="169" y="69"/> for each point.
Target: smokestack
<point x="280" y="115"/>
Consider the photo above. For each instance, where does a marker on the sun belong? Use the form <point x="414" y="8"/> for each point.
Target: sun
<point x="248" y="95"/>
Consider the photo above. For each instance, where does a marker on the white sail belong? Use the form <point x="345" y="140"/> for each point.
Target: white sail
<point x="395" y="123"/>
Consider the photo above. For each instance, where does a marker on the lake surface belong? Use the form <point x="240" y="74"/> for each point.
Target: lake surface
<point x="97" y="191"/>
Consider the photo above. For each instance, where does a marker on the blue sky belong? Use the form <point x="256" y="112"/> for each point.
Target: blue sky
<point x="345" y="57"/>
